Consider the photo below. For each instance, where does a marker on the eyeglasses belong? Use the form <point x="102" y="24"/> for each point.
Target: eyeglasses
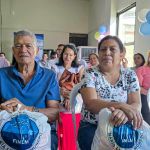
<point x="20" y="46"/>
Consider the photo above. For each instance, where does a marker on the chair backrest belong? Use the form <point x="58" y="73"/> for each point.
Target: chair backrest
<point x="74" y="93"/>
<point x="73" y="102"/>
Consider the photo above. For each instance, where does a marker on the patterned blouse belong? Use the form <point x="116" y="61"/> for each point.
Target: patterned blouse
<point x="126" y="84"/>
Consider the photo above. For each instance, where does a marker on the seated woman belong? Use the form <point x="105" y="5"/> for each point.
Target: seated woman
<point x="68" y="62"/>
<point x="144" y="81"/>
<point x="66" y="66"/>
<point x="93" y="60"/>
<point x="109" y="85"/>
<point x="139" y="61"/>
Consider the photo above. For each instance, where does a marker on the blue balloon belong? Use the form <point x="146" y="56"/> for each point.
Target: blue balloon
<point x="145" y="29"/>
<point x="102" y="29"/>
<point x="148" y="16"/>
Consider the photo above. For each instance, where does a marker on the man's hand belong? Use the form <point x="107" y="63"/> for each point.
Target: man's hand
<point x="11" y="105"/>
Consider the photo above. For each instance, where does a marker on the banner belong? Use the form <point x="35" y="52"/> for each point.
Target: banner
<point x="40" y="44"/>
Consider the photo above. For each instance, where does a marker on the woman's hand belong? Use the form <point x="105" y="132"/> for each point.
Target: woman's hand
<point x="67" y="104"/>
<point x="65" y="93"/>
<point x="118" y="117"/>
<point x="133" y="114"/>
<point x="11" y="105"/>
<point x="125" y="62"/>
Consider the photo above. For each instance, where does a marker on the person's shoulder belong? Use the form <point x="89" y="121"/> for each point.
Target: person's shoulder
<point x="47" y="70"/>
<point x="92" y="70"/>
<point x="144" y="67"/>
<point x="2" y="59"/>
<point x="59" y="68"/>
<point x="127" y="71"/>
<point x="133" y="68"/>
<point x="48" y="74"/>
<point x="4" y="62"/>
<point x="5" y="70"/>
<point x="53" y="61"/>
<point x="141" y="69"/>
<point x="79" y="67"/>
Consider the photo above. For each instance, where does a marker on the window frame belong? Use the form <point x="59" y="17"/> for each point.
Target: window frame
<point x="117" y="25"/>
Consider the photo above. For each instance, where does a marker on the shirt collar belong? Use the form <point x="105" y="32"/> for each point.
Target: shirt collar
<point x="17" y="73"/>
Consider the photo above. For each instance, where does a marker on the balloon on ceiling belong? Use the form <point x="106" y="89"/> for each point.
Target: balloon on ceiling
<point x="102" y="31"/>
<point x="145" y="22"/>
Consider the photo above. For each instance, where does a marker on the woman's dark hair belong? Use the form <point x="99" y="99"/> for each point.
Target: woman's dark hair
<point x="110" y="37"/>
<point x="143" y="59"/>
<point x="74" y="62"/>
<point x="93" y="54"/>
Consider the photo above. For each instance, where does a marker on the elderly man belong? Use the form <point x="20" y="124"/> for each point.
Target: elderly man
<point x="26" y="83"/>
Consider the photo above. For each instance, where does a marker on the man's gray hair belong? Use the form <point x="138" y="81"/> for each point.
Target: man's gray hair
<point x="25" y="33"/>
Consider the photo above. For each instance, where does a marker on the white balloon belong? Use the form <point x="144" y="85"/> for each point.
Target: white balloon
<point x="142" y="15"/>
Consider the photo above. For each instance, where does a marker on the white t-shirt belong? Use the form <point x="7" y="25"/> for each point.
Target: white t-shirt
<point x="60" y="69"/>
<point x="78" y="100"/>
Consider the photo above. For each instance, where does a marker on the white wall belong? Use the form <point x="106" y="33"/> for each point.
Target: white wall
<point x="53" y="18"/>
<point x="57" y="18"/>
<point x="101" y="12"/>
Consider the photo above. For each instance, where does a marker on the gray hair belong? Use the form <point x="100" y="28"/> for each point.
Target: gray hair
<point x="25" y="33"/>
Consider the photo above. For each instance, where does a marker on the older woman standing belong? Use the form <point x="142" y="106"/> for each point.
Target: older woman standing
<point x="143" y="74"/>
<point x="109" y="86"/>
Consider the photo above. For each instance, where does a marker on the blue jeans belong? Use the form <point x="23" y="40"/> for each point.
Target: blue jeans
<point x="54" y="138"/>
<point x="85" y="135"/>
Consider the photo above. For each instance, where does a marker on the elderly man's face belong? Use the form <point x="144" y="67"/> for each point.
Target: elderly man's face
<point x="24" y="50"/>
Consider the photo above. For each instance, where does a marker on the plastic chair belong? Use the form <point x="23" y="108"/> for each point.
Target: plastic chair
<point x="73" y="102"/>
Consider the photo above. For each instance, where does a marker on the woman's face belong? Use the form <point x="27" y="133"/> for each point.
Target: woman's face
<point x="68" y="56"/>
<point x="138" y="60"/>
<point x="93" y="60"/>
<point x="148" y="59"/>
<point x="109" y="54"/>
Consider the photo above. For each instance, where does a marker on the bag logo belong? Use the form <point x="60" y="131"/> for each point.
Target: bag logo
<point x="124" y="136"/>
<point x="20" y="132"/>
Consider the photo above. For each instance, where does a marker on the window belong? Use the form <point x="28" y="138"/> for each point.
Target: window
<point x="126" y="29"/>
<point x="78" y="39"/>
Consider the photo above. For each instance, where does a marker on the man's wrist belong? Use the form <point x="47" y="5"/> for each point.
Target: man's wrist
<point x="35" y="109"/>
